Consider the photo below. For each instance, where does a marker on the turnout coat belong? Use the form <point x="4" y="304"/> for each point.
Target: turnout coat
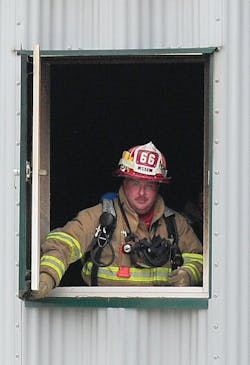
<point x="68" y="244"/>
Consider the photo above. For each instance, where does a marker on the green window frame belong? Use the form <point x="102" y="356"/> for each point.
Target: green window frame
<point x="113" y="297"/>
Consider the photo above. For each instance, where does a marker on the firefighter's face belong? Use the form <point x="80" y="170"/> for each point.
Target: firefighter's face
<point x="141" y="194"/>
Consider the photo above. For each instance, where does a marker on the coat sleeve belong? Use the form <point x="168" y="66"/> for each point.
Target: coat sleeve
<point x="63" y="246"/>
<point x="192" y="251"/>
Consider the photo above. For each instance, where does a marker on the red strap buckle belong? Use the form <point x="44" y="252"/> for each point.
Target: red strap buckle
<point x="123" y="272"/>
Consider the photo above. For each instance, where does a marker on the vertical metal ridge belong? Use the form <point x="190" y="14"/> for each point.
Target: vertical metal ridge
<point x="110" y="24"/>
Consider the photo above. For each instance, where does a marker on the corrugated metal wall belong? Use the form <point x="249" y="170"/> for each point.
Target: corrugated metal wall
<point x="102" y="24"/>
<point x="135" y="336"/>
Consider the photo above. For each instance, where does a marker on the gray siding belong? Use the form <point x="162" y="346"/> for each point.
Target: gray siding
<point x="135" y="336"/>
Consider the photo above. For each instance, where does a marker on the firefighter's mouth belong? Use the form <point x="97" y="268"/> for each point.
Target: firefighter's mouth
<point x="141" y="201"/>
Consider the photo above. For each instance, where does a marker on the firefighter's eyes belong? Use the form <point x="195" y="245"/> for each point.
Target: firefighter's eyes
<point x="147" y="186"/>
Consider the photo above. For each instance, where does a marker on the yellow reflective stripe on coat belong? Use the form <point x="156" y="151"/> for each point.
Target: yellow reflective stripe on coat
<point x="54" y="263"/>
<point x="151" y="275"/>
<point x="193" y="257"/>
<point x="75" y="247"/>
<point x="190" y="259"/>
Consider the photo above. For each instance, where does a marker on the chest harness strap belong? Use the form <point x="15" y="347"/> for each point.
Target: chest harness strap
<point x="176" y="256"/>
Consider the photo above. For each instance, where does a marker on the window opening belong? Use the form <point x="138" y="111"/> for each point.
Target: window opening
<point x="98" y="106"/>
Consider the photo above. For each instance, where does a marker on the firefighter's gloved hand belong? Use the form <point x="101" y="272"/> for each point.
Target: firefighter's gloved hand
<point x="46" y="284"/>
<point x="179" y="277"/>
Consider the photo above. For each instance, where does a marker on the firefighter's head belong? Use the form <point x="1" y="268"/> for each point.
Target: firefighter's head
<point x="143" y="168"/>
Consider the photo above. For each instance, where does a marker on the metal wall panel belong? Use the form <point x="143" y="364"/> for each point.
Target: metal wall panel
<point x="233" y="196"/>
<point x="111" y="336"/>
<point x="114" y="24"/>
<point x="136" y="336"/>
<point x="10" y="335"/>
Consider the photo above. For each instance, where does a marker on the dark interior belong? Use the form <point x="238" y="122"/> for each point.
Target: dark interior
<point x="100" y="108"/>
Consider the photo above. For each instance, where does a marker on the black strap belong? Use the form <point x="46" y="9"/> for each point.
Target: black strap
<point x="124" y="215"/>
<point x="172" y="228"/>
<point x="94" y="272"/>
<point x="176" y="256"/>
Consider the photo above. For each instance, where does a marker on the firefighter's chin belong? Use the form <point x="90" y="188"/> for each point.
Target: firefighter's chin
<point x="142" y="207"/>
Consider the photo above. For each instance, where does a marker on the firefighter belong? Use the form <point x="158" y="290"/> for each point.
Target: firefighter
<point x="134" y="245"/>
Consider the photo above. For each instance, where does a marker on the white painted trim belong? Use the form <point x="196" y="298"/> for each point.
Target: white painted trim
<point x="130" y="292"/>
<point x="35" y="215"/>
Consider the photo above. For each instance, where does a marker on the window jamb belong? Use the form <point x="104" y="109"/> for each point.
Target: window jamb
<point x="35" y="209"/>
<point x="23" y="243"/>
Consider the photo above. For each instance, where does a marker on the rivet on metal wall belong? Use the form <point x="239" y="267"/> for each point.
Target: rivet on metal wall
<point x="216" y="234"/>
<point x="216" y="141"/>
<point x="216" y="357"/>
<point x="217" y="172"/>
<point x="216" y="202"/>
<point x="216" y="111"/>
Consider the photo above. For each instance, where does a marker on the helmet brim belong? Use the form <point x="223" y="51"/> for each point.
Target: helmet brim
<point x="132" y="174"/>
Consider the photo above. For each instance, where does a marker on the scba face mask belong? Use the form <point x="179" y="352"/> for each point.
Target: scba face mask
<point x="151" y="253"/>
<point x="155" y="252"/>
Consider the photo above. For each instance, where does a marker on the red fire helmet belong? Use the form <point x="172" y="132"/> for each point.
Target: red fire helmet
<point x="144" y="162"/>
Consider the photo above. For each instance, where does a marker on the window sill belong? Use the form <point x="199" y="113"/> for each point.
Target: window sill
<point x="120" y="297"/>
